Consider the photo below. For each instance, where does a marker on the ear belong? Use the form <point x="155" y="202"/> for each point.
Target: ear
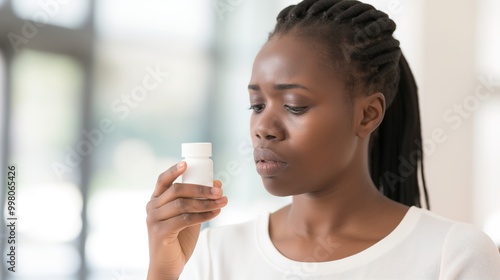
<point x="369" y="112"/>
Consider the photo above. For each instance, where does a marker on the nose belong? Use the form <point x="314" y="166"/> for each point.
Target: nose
<point x="268" y="126"/>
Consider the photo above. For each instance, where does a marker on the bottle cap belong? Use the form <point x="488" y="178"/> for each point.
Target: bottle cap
<point x="196" y="150"/>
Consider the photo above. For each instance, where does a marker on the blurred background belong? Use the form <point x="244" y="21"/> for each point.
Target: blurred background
<point x="96" y="97"/>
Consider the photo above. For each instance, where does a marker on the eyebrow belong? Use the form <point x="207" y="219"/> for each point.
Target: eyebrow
<point x="278" y="87"/>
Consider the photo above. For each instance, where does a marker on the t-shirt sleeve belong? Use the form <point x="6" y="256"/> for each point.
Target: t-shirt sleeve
<point x="198" y="266"/>
<point x="469" y="253"/>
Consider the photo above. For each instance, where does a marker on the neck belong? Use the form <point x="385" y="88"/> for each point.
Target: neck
<point x="334" y="209"/>
<point x="350" y="203"/>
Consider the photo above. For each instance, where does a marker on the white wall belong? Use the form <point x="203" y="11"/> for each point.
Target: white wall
<point x="448" y="81"/>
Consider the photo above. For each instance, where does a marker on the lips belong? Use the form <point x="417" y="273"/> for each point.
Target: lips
<point x="268" y="163"/>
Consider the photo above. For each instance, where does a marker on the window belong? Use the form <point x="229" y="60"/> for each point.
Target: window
<point x="94" y="119"/>
<point x="148" y="130"/>
<point x="487" y="132"/>
<point x="486" y="163"/>
<point x="488" y="42"/>
<point x="155" y="20"/>
<point x="45" y="81"/>
<point x="46" y="89"/>
<point x="152" y="82"/>
<point x="70" y="14"/>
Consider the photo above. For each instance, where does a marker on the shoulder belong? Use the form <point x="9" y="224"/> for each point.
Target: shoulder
<point x="454" y="233"/>
<point x="466" y="251"/>
<point x="465" y="236"/>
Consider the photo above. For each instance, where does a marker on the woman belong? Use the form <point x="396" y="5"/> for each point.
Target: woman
<point x="336" y="125"/>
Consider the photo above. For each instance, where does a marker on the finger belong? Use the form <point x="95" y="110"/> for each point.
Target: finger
<point x="180" y="190"/>
<point x="183" y="221"/>
<point x="182" y="206"/>
<point x="168" y="177"/>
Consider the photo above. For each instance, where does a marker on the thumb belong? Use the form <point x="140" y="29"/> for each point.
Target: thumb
<point x="217" y="184"/>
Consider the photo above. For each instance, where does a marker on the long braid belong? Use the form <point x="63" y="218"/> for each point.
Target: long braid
<point x="360" y="39"/>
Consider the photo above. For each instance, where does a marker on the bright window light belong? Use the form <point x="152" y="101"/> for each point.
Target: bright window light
<point x="65" y="13"/>
<point x="61" y="201"/>
<point x="46" y="108"/>
<point x="47" y="261"/>
<point x="160" y="20"/>
<point x="118" y="233"/>
<point x="488" y="41"/>
<point x="45" y="113"/>
<point x="486" y="163"/>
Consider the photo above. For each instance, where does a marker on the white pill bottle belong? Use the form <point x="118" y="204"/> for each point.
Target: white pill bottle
<point x="200" y="168"/>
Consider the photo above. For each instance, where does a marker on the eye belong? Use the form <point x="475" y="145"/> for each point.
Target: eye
<point x="296" y="110"/>
<point x="257" y="108"/>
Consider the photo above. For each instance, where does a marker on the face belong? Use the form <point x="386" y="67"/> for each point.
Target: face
<point x="301" y="125"/>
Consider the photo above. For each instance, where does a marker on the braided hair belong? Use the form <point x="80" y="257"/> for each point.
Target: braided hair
<point x="359" y="44"/>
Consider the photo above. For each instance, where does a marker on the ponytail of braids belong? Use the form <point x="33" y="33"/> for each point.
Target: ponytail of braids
<point x="396" y="153"/>
<point x="361" y="47"/>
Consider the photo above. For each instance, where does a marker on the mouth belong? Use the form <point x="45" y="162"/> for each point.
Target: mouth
<point x="267" y="168"/>
<point x="268" y="163"/>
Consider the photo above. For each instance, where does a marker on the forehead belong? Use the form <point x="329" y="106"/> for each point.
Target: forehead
<point x="287" y="58"/>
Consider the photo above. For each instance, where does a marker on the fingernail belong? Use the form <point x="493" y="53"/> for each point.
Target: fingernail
<point x="181" y="165"/>
<point x="216" y="191"/>
<point x="221" y="200"/>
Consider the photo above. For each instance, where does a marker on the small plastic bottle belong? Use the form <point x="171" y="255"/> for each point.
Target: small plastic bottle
<point x="199" y="165"/>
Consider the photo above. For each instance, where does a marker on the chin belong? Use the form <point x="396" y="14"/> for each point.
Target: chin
<point x="278" y="189"/>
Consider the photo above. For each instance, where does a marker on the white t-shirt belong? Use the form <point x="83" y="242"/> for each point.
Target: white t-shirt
<point x="423" y="246"/>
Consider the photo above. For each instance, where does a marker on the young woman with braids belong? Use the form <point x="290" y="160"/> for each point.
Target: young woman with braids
<point x="335" y="115"/>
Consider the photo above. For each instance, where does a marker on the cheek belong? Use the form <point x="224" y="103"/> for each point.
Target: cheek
<point x="326" y="140"/>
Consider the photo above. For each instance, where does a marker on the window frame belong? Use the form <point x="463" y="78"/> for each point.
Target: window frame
<point x="78" y="44"/>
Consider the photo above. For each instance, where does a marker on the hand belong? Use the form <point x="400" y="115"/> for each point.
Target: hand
<point x="174" y="215"/>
